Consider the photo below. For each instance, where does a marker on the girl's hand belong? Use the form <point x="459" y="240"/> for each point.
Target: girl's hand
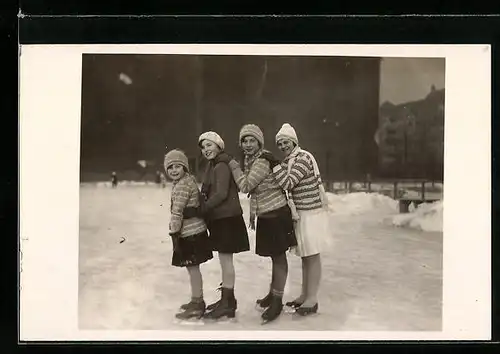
<point x="273" y="161"/>
<point x="252" y="222"/>
<point x="174" y="234"/>
<point x="225" y="157"/>
<point x="191" y="212"/>
<point x="233" y="164"/>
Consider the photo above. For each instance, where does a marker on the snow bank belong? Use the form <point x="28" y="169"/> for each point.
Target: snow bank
<point x="361" y="202"/>
<point x="426" y="217"/>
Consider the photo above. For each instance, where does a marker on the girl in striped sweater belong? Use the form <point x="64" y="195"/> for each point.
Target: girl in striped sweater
<point x="298" y="174"/>
<point x="189" y="235"/>
<point x="275" y="233"/>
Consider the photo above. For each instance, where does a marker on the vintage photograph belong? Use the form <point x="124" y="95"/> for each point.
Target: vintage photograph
<point x="261" y="192"/>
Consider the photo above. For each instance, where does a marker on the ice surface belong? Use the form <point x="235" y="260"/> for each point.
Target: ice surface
<point x="376" y="276"/>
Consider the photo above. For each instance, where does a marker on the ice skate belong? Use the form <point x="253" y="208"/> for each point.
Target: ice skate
<point x="265" y="302"/>
<point x="292" y="306"/>
<point x="194" y="310"/>
<point x="226" y="307"/>
<point x="212" y="306"/>
<point x="306" y="311"/>
<point x="273" y="311"/>
<point x="187" y="305"/>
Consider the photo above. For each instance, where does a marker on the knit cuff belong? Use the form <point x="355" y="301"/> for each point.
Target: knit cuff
<point x="276" y="168"/>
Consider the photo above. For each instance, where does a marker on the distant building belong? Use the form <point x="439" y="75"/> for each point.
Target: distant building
<point x="411" y="137"/>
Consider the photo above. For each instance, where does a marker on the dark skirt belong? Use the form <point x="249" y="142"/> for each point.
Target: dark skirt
<point x="191" y="250"/>
<point x="229" y="235"/>
<point x="275" y="233"/>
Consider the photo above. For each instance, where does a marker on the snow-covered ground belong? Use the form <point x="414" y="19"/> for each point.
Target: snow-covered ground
<point x="382" y="272"/>
<point x="427" y="217"/>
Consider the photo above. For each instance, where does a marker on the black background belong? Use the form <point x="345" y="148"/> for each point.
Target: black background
<point x="428" y="30"/>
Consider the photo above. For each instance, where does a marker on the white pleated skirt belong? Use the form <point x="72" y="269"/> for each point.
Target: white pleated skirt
<point x="313" y="232"/>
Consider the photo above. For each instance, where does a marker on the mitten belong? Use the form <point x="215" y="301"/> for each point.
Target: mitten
<point x="252" y="222"/>
<point x="233" y="164"/>
<point x="191" y="212"/>
<point x="273" y="161"/>
<point x="175" y="234"/>
<point x="224" y="157"/>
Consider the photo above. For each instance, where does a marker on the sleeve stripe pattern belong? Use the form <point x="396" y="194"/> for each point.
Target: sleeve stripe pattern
<point x="301" y="182"/>
<point x="185" y="194"/>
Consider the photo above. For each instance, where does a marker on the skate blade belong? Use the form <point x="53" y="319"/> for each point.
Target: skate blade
<point x="260" y="308"/>
<point x="221" y="320"/>
<point x="288" y="310"/>
<point x="265" y="322"/>
<point x="297" y="316"/>
<point x="189" y="322"/>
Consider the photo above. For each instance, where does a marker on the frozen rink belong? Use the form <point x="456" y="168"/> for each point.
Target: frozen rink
<point x="383" y="271"/>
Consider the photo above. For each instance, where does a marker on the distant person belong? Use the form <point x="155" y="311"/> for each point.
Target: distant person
<point x="298" y="174"/>
<point x="222" y="211"/>
<point x="163" y="180"/>
<point x="189" y="235"/>
<point x="114" y="180"/>
<point x="275" y="233"/>
<point x="158" y="178"/>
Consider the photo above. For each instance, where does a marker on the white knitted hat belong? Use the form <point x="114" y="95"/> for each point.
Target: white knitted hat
<point x="213" y="137"/>
<point x="287" y="132"/>
<point x="252" y="130"/>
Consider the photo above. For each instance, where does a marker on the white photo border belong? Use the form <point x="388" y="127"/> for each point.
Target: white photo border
<point x="49" y="125"/>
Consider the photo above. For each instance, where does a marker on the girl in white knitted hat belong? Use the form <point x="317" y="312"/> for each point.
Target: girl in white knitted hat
<point x="222" y="211"/>
<point x="189" y="235"/>
<point x="299" y="175"/>
<point x="275" y="233"/>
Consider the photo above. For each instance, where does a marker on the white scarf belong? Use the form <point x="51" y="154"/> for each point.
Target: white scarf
<point x="322" y="193"/>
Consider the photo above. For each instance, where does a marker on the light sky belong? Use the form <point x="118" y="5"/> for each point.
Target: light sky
<point x="410" y="79"/>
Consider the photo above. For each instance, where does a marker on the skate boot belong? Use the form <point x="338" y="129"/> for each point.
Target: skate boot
<point x="274" y="309"/>
<point x="265" y="301"/>
<point x="294" y="304"/>
<point x="226" y="306"/>
<point x="309" y="310"/>
<point x="187" y="305"/>
<point x="194" y="310"/>
<point x="212" y="306"/>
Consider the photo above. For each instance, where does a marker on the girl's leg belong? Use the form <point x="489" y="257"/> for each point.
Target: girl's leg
<point x="265" y="301"/>
<point x="196" y="283"/>
<point x="278" y="279"/>
<point x="226" y="306"/>
<point x="280" y="274"/>
<point x="313" y="274"/>
<point x="227" y="267"/>
<point x="305" y="279"/>
<point x="280" y="271"/>
<point x="196" y="308"/>
<point x="228" y="275"/>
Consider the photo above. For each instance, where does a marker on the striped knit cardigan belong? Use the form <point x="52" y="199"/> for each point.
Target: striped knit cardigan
<point x="266" y="194"/>
<point x="185" y="194"/>
<point x="301" y="183"/>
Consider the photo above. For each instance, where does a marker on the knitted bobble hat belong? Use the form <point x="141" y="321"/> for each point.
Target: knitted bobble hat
<point x="213" y="137"/>
<point x="287" y="132"/>
<point x="176" y="156"/>
<point x="254" y="131"/>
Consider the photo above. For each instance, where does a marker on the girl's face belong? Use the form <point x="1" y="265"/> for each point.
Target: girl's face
<point x="175" y="171"/>
<point x="209" y="149"/>
<point x="286" y="146"/>
<point x="250" y="145"/>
